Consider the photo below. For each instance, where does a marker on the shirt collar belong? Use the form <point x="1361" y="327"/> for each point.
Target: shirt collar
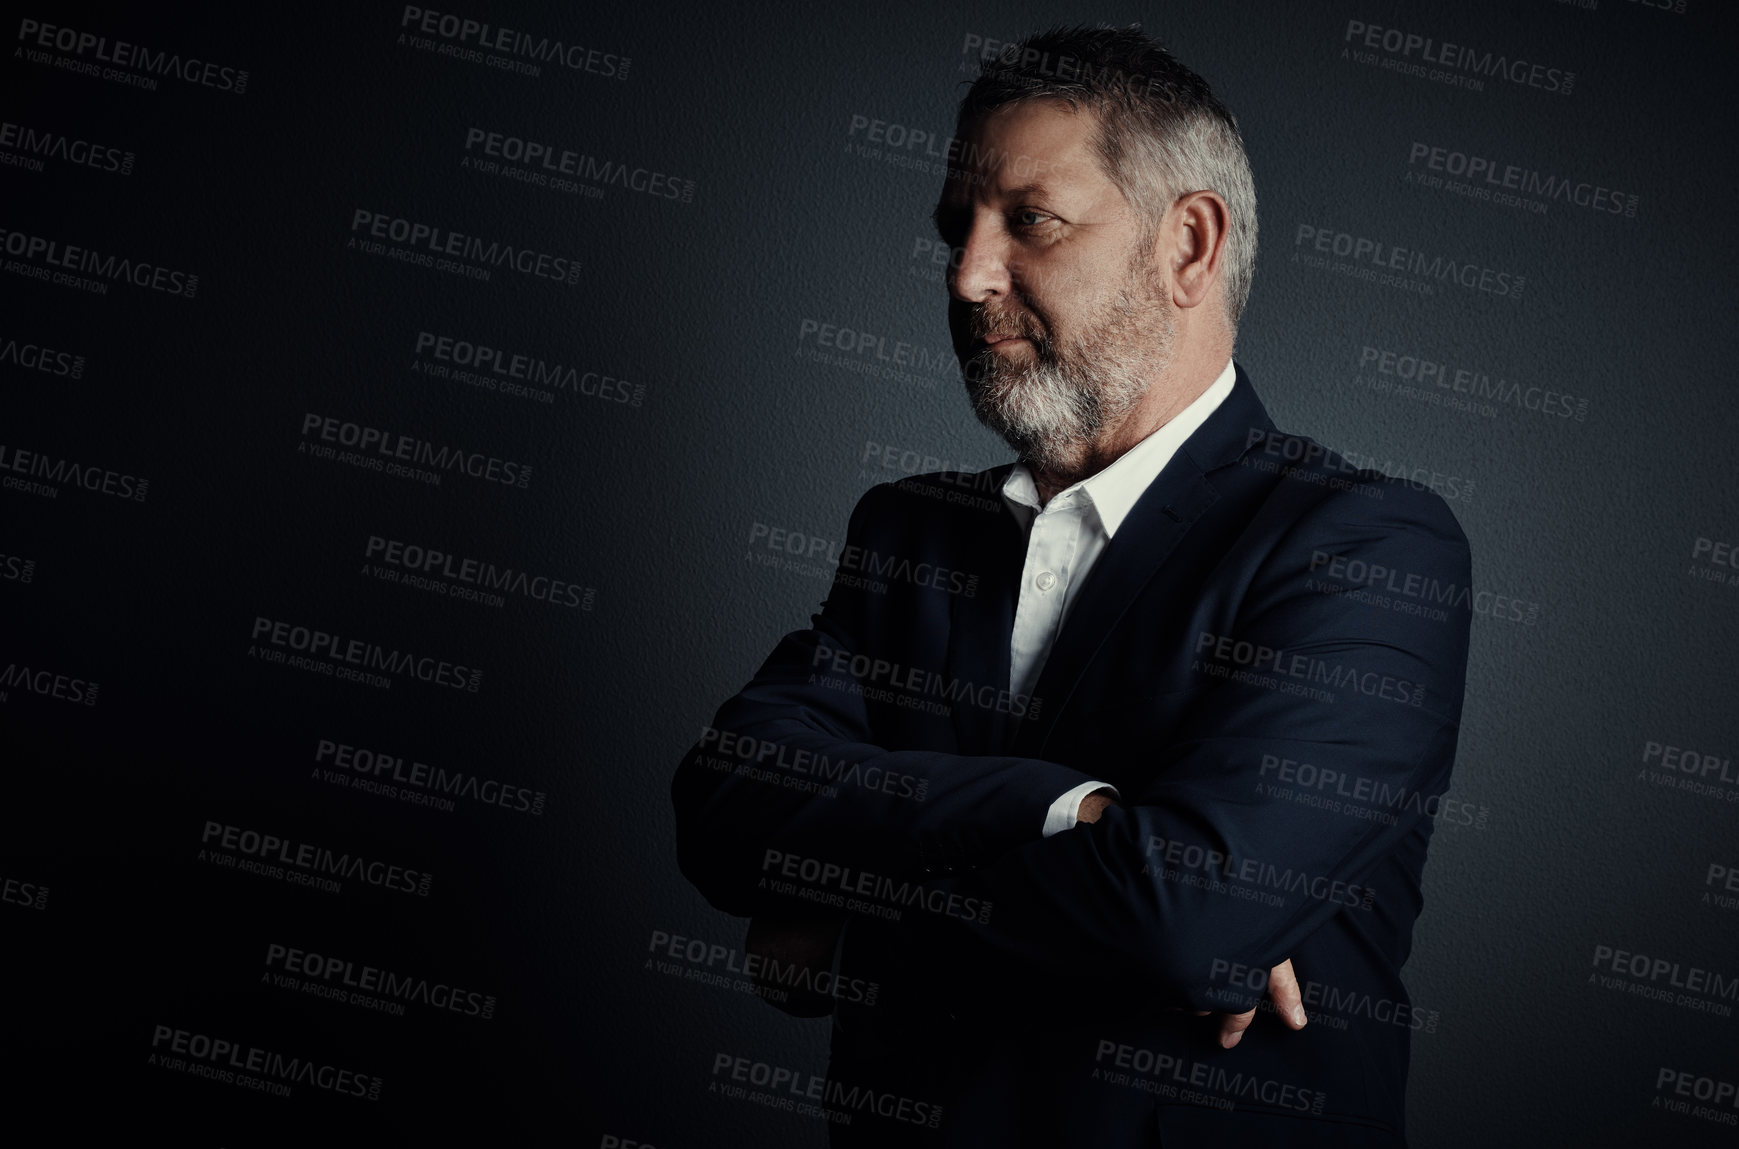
<point x="1112" y="492"/>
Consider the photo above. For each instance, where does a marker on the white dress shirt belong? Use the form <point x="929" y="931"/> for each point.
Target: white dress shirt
<point x="1066" y="536"/>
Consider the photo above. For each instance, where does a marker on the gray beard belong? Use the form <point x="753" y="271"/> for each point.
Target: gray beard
<point x="1052" y="410"/>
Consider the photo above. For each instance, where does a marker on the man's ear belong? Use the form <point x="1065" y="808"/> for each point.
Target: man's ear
<point x="1192" y="237"/>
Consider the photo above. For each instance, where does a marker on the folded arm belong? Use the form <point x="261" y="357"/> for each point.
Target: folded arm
<point x="745" y="788"/>
<point x="1214" y="861"/>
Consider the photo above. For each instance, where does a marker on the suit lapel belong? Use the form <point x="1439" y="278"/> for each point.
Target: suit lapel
<point x="1172" y="503"/>
<point x="981" y="627"/>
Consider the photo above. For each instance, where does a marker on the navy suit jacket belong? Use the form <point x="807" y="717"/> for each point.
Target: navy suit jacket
<point x="1267" y="661"/>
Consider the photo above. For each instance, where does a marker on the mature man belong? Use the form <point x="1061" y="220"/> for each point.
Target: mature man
<point x="1082" y="747"/>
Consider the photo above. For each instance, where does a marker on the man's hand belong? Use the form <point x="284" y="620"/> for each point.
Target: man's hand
<point x="782" y="947"/>
<point x="1094" y="805"/>
<point x="1288" y="1003"/>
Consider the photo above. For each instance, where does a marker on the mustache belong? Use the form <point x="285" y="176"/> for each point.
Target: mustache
<point x="982" y="324"/>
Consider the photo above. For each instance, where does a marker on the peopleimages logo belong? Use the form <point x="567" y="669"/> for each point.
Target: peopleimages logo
<point x="817" y="341"/>
<point x="1522" y="180"/>
<point x="1664" y="980"/>
<point x="808" y="1095"/>
<point x="862" y="892"/>
<point x="16" y="568"/>
<point x="322" y="975"/>
<point x="52" y="470"/>
<point x="47" y="683"/>
<point x="71" y="258"/>
<point x="469" y="39"/>
<point x="30" y="895"/>
<point x="1458" y="61"/>
<point x="421" y="242"/>
<point x="120" y="54"/>
<point x="698" y="961"/>
<point x="233" y="1063"/>
<point x="1350" y="571"/>
<point x="1217" y="654"/>
<point x="543" y="162"/>
<point x="271" y="636"/>
<point x="27" y="147"/>
<point x="1687" y="1084"/>
<point x="513" y="373"/>
<point x="1174" y="1077"/>
<point x="431" y="783"/>
<point x="1411" y="261"/>
<point x="239" y="848"/>
<point x="1206" y="867"/>
<point x="1422" y="369"/>
<point x="374" y="448"/>
<point x="434" y="564"/>
<point x="35" y="357"/>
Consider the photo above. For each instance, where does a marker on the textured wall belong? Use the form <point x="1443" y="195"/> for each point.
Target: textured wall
<point x="176" y="487"/>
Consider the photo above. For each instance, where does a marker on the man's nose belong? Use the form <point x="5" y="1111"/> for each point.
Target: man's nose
<point x="981" y="269"/>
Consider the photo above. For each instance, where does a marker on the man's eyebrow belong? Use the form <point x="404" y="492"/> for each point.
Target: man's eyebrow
<point x="949" y="210"/>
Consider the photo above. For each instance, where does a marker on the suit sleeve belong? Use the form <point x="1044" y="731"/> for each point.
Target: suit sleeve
<point x="743" y="793"/>
<point x="1208" y="862"/>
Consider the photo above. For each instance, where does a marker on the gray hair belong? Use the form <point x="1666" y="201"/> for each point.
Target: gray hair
<point x="1161" y="132"/>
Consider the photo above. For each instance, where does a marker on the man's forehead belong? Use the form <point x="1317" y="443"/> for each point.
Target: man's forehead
<point x="1036" y="150"/>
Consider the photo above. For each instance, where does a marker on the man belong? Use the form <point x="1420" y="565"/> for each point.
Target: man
<point x="1085" y="747"/>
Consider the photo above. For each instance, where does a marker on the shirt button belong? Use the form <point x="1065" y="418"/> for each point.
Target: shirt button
<point x="1045" y="580"/>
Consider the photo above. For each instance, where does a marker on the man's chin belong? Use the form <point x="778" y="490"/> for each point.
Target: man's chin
<point x="988" y="374"/>
<point x="1044" y="446"/>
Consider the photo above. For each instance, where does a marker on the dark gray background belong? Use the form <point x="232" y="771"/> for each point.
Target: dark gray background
<point x="1590" y="523"/>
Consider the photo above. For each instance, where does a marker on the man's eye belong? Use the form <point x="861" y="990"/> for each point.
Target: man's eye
<point x="1028" y="217"/>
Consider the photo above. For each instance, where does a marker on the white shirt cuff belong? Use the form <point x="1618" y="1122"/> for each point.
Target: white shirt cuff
<point x="1063" y="812"/>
